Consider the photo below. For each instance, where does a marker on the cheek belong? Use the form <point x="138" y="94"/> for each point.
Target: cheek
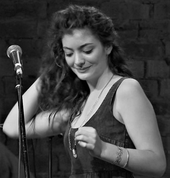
<point x="94" y="57"/>
<point x="69" y="61"/>
<point x="97" y="57"/>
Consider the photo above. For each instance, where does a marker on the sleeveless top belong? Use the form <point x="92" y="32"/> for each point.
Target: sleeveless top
<point x="109" y="130"/>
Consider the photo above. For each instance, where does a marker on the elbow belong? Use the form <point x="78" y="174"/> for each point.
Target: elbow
<point x="156" y="166"/>
<point x="160" y="168"/>
<point x="159" y="173"/>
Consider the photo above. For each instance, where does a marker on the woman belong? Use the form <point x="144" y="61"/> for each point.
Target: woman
<point x="86" y="91"/>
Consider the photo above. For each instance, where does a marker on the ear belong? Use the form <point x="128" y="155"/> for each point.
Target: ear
<point x="108" y="49"/>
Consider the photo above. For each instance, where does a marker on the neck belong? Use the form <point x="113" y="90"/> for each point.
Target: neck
<point x="98" y="83"/>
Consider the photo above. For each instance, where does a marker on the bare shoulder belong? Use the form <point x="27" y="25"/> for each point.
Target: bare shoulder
<point x="132" y="100"/>
<point x="130" y="92"/>
<point x="131" y="95"/>
<point x="129" y="87"/>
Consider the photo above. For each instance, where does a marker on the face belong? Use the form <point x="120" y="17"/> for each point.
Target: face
<point x="85" y="54"/>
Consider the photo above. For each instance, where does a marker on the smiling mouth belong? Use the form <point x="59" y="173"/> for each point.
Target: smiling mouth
<point x="82" y="68"/>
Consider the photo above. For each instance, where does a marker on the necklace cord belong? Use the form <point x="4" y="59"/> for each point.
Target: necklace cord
<point x="95" y="103"/>
<point x="73" y="147"/>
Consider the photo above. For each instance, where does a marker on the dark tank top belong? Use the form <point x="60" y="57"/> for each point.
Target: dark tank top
<point x="109" y="130"/>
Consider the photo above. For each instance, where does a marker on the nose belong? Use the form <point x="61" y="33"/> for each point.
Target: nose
<point x="79" y="60"/>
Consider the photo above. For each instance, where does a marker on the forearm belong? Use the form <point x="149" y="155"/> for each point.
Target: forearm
<point x="45" y="124"/>
<point x="142" y="162"/>
<point x="146" y="162"/>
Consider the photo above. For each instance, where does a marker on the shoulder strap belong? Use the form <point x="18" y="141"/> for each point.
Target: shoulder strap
<point x="115" y="87"/>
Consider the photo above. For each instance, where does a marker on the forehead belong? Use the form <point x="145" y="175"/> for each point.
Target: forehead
<point x="79" y="37"/>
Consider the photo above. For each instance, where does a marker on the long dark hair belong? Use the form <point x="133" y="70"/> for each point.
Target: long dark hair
<point x="60" y="87"/>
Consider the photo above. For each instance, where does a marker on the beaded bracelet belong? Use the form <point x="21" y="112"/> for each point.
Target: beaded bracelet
<point x="127" y="154"/>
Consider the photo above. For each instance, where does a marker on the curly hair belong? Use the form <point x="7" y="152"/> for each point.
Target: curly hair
<point x="60" y="87"/>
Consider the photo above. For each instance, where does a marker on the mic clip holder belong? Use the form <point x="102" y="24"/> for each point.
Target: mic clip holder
<point x="18" y="69"/>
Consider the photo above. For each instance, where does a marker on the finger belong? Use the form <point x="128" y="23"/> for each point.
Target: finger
<point x="80" y="131"/>
<point x="82" y="144"/>
<point x="81" y="138"/>
<point x="84" y="130"/>
<point x="86" y="145"/>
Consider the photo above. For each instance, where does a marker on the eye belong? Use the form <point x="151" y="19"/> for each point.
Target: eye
<point x="68" y="54"/>
<point x="88" y="51"/>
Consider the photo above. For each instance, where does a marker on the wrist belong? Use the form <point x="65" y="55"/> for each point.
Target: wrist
<point x="114" y="154"/>
<point x="122" y="157"/>
<point x="103" y="150"/>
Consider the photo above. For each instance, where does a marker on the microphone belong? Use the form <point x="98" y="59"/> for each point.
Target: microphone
<point x="14" y="52"/>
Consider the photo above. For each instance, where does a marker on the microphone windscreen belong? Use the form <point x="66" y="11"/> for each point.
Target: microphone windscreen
<point x="14" y="48"/>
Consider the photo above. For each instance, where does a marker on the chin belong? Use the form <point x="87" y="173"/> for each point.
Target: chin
<point x="83" y="76"/>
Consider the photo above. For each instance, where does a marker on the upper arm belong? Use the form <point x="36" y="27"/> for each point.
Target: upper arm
<point x="138" y="116"/>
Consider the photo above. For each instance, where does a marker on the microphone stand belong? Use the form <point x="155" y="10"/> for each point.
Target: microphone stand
<point x="50" y="157"/>
<point x="21" y="126"/>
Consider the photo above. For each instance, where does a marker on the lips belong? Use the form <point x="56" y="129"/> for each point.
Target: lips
<point x="82" y="69"/>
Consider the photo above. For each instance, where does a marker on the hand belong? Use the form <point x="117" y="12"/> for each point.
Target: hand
<point x="88" y="138"/>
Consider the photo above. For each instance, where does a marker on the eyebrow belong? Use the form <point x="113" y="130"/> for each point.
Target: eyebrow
<point x="82" y="46"/>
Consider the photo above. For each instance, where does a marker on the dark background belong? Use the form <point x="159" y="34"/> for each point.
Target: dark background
<point x="144" y="29"/>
